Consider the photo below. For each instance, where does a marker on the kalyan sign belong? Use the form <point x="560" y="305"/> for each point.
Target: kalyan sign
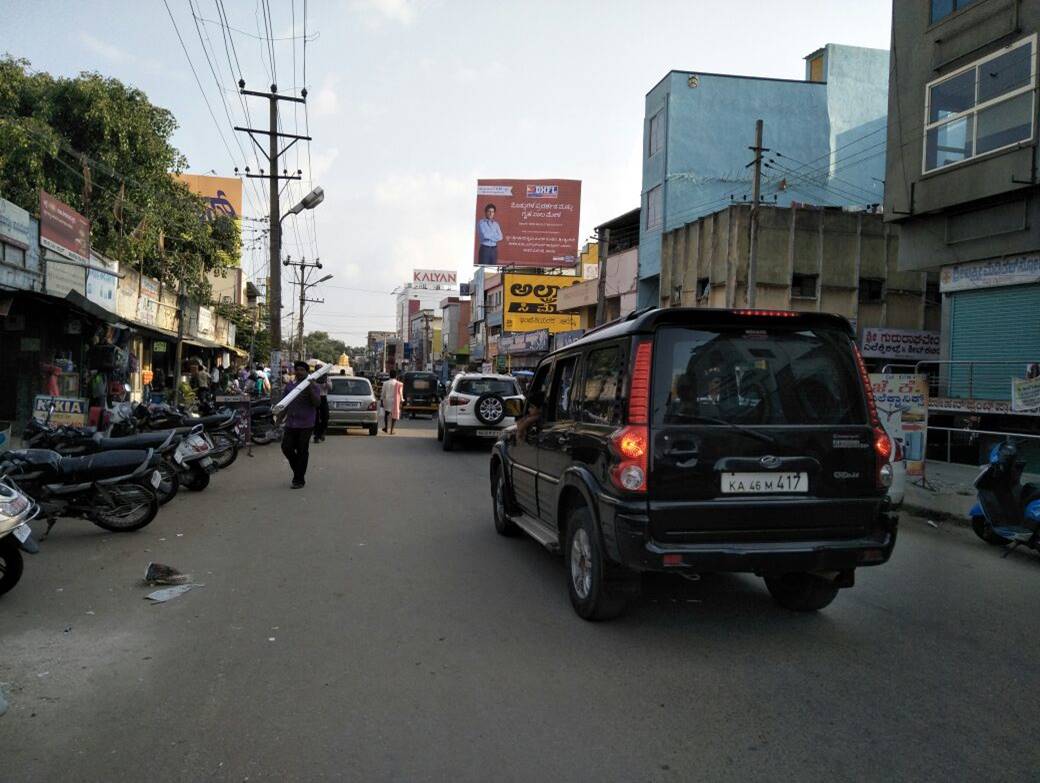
<point x="439" y="276"/>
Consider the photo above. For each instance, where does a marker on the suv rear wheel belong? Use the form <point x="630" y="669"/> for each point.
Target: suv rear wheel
<point x="490" y="409"/>
<point x="595" y="585"/>
<point x="801" y="592"/>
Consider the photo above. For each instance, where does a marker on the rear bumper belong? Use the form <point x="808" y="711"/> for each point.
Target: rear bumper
<point x="353" y="418"/>
<point x="626" y="531"/>
<point x="419" y="406"/>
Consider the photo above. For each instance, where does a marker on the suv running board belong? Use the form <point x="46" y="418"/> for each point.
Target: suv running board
<point x="539" y="531"/>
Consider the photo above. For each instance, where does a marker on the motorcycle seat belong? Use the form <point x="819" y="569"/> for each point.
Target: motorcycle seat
<point x="103" y="465"/>
<point x="144" y="440"/>
<point x="212" y="422"/>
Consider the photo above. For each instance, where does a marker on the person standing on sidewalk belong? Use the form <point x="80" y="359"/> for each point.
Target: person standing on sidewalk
<point x="391" y="396"/>
<point x="299" y="424"/>
<point x="322" y="423"/>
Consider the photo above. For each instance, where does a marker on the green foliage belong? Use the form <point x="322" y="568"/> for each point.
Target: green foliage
<point x="55" y="133"/>
<point x="319" y="345"/>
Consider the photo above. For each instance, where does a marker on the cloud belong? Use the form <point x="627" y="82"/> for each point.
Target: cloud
<point x="374" y="11"/>
<point x="321" y="161"/>
<point x="326" y="102"/>
<point x="104" y="49"/>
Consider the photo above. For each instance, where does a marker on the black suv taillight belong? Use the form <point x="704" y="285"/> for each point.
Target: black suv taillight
<point x="632" y="442"/>
<point x="882" y="444"/>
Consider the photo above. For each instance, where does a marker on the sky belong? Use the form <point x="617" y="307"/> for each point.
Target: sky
<point x="411" y="101"/>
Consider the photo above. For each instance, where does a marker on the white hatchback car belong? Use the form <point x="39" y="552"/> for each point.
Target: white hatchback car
<point x="475" y="406"/>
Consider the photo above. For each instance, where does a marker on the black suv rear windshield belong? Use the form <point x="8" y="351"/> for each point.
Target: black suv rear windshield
<point x="478" y="386"/>
<point x="353" y="387"/>
<point x="751" y="376"/>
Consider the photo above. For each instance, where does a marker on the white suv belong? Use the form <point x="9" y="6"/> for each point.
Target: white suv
<point x="475" y="406"/>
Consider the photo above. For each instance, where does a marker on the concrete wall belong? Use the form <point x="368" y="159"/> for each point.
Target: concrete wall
<point x="838" y="247"/>
<point x="985" y="208"/>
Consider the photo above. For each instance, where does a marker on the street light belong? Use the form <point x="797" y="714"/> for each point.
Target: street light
<point x="310" y="201"/>
<point x="327" y="277"/>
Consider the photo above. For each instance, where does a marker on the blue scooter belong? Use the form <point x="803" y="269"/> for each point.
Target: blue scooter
<point x="1007" y="512"/>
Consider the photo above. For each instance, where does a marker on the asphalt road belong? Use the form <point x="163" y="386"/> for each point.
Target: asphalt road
<point x="374" y="627"/>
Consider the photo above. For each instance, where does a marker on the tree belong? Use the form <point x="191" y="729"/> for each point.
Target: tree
<point x="104" y="149"/>
<point x="318" y="345"/>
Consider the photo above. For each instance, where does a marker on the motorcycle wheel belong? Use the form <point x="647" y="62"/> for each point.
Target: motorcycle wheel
<point x="170" y="484"/>
<point x="135" y="506"/>
<point x="985" y="532"/>
<point x="226" y="450"/>
<point x="10" y="564"/>
<point x="195" y="479"/>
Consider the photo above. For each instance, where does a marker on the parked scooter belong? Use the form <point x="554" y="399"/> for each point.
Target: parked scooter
<point x="1007" y="512"/>
<point x="16" y="511"/>
<point x="192" y="459"/>
<point x="113" y="489"/>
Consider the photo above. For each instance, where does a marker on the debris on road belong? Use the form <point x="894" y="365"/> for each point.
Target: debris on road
<point x="169" y="593"/>
<point x="159" y="574"/>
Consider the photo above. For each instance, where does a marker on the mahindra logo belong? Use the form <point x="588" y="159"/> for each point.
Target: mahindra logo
<point x="769" y="461"/>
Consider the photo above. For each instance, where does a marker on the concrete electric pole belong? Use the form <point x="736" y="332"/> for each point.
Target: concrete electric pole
<point x="756" y="197"/>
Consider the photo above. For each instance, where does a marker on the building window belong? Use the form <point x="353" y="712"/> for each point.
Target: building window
<point x="943" y="8"/>
<point x="12" y="255"/>
<point x="803" y="286"/>
<point x="982" y="107"/>
<point x="656" y="135"/>
<point x="654" y="208"/>
<point x="871" y="289"/>
<point x="703" y="287"/>
<point x="932" y="295"/>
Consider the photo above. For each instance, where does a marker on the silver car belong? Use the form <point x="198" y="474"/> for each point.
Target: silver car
<point x="352" y="404"/>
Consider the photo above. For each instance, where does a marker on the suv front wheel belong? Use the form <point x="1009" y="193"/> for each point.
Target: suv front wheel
<point x="596" y="586"/>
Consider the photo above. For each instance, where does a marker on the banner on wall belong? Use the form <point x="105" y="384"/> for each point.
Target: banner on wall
<point x="527" y="222"/>
<point x="906" y="344"/>
<point x="1025" y="394"/>
<point x="530" y="303"/>
<point x="63" y="229"/>
<point x="902" y="405"/>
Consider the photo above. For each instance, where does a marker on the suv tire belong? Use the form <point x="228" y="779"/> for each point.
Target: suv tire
<point x="490" y="409"/>
<point x="448" y="441"/>
<point x="801" y="592"/>
<point x="594" y="584"/>
<point x="504" y="526"/>
<point x="440" y="430"/>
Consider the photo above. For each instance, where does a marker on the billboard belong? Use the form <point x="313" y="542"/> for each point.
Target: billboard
<point x="223" y="194"/>
<point x="902" y="405"/>
<point x="438" y="276"/>
<point x="530" y="303"/>
<point x="63" y="229"/>
<point x="527" y="222"/>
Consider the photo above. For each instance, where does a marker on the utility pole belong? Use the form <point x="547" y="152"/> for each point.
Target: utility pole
<point x="756" y="197"/>
<point x="304" y="266"/>
<point x="601" y="284"/>
<point x="273" y="153"/>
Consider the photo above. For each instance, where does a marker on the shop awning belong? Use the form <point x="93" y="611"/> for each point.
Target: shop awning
<point x="80" y="302"/>
<point x="202" y="342"/>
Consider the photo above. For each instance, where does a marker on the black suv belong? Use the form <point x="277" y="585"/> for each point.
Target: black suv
<point x="697" y="440"/>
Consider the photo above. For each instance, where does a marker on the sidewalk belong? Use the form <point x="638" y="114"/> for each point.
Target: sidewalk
<point x="951" y="492"/>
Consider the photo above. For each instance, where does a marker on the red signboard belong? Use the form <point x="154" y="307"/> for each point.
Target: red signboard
<point x="527" y="222"/>
<point x="63" y="229"/>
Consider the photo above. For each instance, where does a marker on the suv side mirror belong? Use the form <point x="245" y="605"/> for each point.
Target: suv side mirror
<point x="514" y="407"/>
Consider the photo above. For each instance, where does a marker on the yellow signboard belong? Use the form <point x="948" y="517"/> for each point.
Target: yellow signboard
<point x="224" y="194"/>
<point x="530" y="303"/>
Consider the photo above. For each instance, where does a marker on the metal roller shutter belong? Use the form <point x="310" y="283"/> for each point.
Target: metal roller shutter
<point x="993" y="324"/>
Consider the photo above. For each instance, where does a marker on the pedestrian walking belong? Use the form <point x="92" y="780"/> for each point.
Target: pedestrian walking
<point x="300" y="417"/>
<point x="322" y="423"/>
<point x="391" y="396"/>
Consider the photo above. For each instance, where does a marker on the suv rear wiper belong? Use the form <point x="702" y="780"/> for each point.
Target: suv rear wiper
<point x="741" y="428"/>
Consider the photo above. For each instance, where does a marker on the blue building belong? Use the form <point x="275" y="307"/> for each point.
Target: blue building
<point x="826" y="137"/>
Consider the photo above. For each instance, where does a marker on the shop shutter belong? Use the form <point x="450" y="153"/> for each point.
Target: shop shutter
<point x="993" y="324"/>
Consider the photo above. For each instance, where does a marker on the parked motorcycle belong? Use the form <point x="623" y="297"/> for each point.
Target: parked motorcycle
<point x="1007" y="512"/>
<point x="263" y="426"/>
<point x="220" y="427"/>
<point x="16" y="511"/>
<point x="192" y="459"/>
<point x="113" y="489"/>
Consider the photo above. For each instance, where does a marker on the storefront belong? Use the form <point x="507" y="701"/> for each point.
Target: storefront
<point x="523" y="350"/>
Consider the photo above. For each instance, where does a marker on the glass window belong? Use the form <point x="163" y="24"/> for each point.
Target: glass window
<point x="1005" y="73"/>
<point x="654" y="208"/>
<point x="871" y="289"/>
<point x="1004" y="123"/>
<point x="602" y="384"/>
<point x="943" y="8"/>
<point x="656" y="140"/>
<point x="478" y="386"/>
<point x="951" y="96"/>
<point x="993" y="102"/>
<point x="949" y="143"/>
<point x="539" y="388"/>
<point x="351" y="387"/>
<point x="562" y="402"/>
<point x="756" y="376"/>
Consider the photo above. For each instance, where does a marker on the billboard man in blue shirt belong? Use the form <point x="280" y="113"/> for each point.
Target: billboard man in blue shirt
<point x="490" y="234"/>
